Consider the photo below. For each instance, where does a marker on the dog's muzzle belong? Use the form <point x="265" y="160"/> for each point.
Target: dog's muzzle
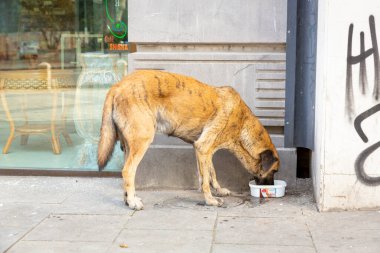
<point x="264" y="181"/>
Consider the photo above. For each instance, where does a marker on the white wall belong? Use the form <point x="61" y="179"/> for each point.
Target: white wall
<point x="338" y="145"/>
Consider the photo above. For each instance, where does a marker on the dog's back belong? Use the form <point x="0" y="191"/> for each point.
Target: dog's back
<point x="180" y="106"/>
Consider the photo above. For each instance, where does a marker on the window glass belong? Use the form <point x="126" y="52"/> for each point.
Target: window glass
<point x="58" y="58"/>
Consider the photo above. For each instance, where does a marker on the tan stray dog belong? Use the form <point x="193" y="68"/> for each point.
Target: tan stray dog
<point x="208" y="117"/>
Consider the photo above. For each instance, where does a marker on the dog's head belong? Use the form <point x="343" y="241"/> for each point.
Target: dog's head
<point x="268" y="165"/>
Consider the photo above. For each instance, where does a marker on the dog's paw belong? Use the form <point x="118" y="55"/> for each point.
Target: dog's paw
<point x="214" y="202"/>
<point x="223" y="192"/>
<point x="134" y="203"/>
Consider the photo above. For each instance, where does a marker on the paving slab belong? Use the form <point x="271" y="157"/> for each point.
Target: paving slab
<point x="263" y="231"/>
<point x="23" y="215"/>
<point x="190" y="199"/>
<point x="17" y="219"/>
<point x="244" y="248"/>
<point x="95" y="202"/>
<point x="255" y="207"/>
<point x="35" y="190"/>
<point x="159" y="241"/>
<point x="52" y="190"/>
<point x="71" y="228"/>
<point x="10" y="235"/>
<point x="173" y="219"/>
<point x="346" y="231"/>
<point x="59" y="247"/>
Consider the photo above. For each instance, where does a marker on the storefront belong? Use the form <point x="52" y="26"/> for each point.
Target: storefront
<point x="59" y="57"/>
<point x="57" y="60"/>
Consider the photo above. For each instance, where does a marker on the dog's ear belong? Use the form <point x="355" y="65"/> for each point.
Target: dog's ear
<point x="267" y="159"/>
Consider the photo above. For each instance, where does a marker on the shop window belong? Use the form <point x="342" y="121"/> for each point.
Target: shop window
<point x="58" y="58"/>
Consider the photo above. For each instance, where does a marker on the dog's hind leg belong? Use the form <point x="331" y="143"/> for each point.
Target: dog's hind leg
<point x="138" y="133"/>
<point x="137" y="149"/>
<point x="136" y="130"/>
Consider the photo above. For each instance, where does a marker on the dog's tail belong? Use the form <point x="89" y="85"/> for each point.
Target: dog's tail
<point x="108" y="134"/>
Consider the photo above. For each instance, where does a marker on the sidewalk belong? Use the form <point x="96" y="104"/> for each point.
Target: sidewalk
<point x="49" y="214"/>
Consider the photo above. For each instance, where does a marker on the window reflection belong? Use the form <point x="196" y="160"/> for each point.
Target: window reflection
<point x="54" y="74"/>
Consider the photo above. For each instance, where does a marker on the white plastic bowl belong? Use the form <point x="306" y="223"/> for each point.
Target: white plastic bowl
<point x="268" y="191"/>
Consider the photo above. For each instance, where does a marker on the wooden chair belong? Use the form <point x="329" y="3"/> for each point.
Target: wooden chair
<point x="39" y="84"/>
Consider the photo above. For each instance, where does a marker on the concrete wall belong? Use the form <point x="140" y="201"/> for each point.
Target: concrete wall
<point x="199" y="21"/>
<point x="343" y="177"/>
<point x="239" y="43"/>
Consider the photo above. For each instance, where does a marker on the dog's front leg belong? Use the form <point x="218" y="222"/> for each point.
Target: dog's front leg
<point x="204" y="168"/>
<point x="215" y="184"/>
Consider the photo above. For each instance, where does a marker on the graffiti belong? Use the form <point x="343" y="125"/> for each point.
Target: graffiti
<point x="363" y="87"/>
<point x="361" y="59"/>
<point x="359" y="163"/>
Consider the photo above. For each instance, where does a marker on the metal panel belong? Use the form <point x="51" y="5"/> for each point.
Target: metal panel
<point x="291" y="47"/>
<point x="258" y="77"/>
<point x="269" y="103"/>
<point x="300" y="82"/>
